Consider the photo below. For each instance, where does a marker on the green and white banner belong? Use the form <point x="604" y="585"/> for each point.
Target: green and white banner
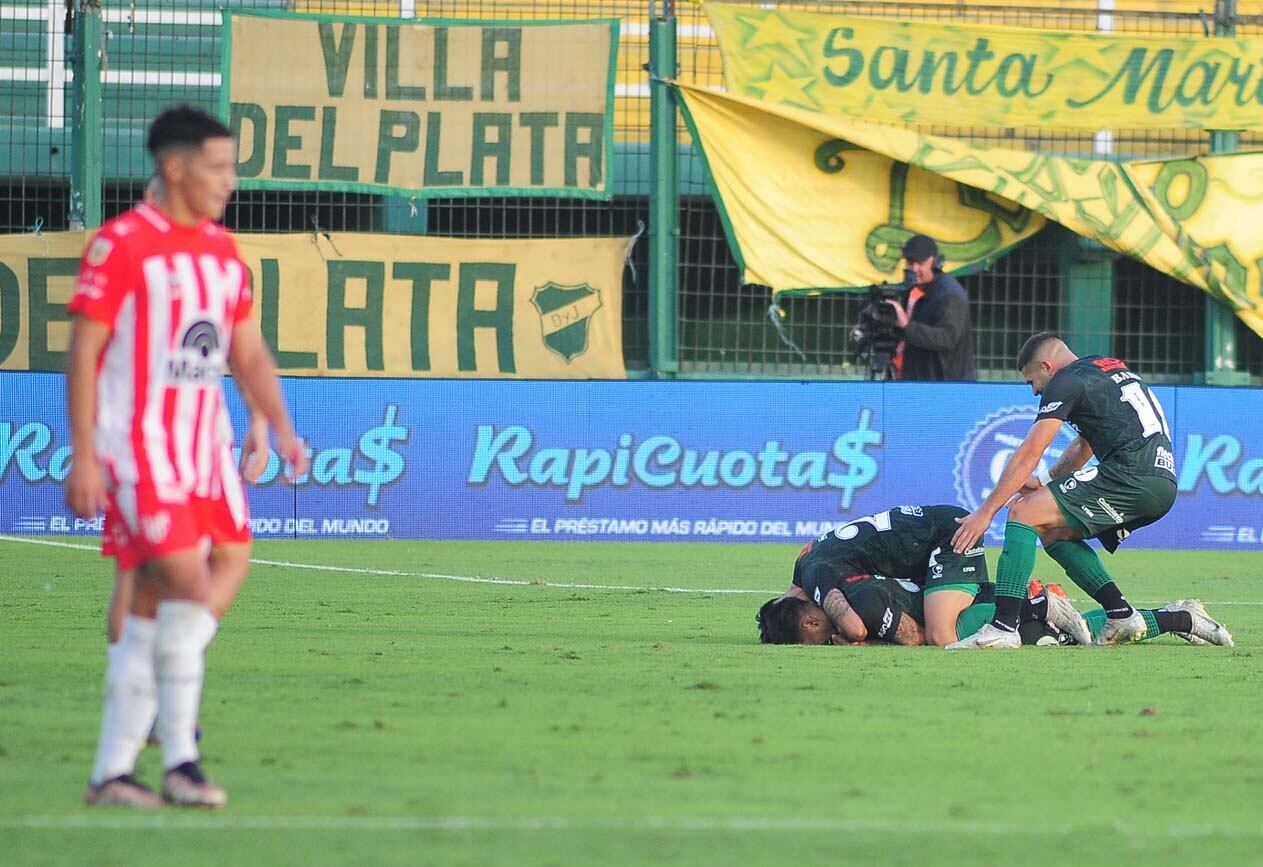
<point x="423" y="107"/>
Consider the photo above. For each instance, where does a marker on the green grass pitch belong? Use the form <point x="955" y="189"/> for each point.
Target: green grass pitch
<point x="360" y="718"/>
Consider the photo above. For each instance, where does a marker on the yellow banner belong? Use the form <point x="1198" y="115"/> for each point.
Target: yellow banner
<point x="805" y="209"/>
<point x="375" y="305"/>
<point x="426" y="107"/>
<point x="964" y="74"/>
<point x="1188" y="218"/>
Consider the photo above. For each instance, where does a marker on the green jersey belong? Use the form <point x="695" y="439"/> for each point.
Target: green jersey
<point x="911" y="543"/>
<point x="1113" y="409"/>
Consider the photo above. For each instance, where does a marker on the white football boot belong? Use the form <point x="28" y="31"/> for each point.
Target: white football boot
<point x="986" y="638"/>
<point x="1067" y="618"/>
<point x="1205" y="629"/>
<point x="1122" y="630"/>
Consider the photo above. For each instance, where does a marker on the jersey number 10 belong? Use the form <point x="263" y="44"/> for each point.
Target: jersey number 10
<point x="1152" y="419"/>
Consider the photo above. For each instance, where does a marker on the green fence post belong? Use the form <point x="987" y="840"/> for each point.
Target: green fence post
<point x="1221" y="323"/>
<point x="87" y="143"/>
<point x="664" y="198"/>
<point x="404" y="215"/>
<point x="408" y="216"/>
<point x="1088" y="301"/>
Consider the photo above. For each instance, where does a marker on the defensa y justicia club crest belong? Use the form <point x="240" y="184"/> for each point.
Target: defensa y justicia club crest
<point x="565" y="314"/>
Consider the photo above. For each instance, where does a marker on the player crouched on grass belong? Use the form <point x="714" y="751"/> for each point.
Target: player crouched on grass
<point x="878" y="606"/>
<point x="161" y="305"/>
<point x="911" y="544"/>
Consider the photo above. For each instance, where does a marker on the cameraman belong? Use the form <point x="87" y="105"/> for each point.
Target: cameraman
<point x="938" y="337"/>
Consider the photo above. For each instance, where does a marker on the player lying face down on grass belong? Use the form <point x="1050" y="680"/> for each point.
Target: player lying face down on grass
<point x="910" y="544"/>
<point x="880" y="609"/>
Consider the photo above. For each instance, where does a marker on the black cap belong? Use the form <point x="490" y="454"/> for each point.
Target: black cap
<point x="918" y="248"/>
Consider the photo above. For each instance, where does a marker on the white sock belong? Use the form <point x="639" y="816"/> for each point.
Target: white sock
<point x="184" y="631"/>
<point x="130" y="700"/>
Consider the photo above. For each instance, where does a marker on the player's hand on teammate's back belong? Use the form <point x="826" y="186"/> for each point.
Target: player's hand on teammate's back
<point x="971" y="529"/>
<point x="85" y="487"/>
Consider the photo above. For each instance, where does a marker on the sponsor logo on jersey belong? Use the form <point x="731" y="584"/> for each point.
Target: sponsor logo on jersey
<point x="1164" y="460"/>
<point x="1108" y="364"/>
<point x="886" y="620"/>
<point x="98" y="251"/>
<point x="1049" y="407"/>
<point x="1086" y="474"/>
<point x="914" y="511"/>
<point x="1088" y="512"/>
<point x="156" y="526"/>
<point x="199" y="358"/>
<point x="1110" y="510"/>
<point x="1068" y="485"/>
<point x="816" y="595"/>
<point x="983" y="453"/>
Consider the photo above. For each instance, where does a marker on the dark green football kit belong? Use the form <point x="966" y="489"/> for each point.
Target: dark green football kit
<point x="1133" y="483"/>
<point x="909" y="543"/>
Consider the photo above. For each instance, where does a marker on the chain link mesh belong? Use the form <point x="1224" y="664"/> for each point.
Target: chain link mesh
<point x="164" y="51"/>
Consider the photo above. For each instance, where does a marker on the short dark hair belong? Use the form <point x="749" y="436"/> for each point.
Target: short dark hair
<point x="183" y="126"/>
<point x="780" y="620"/>
<point x="1032" y="346"/>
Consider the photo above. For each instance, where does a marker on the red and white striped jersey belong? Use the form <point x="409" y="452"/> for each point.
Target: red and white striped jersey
<point x="170" y="295"/>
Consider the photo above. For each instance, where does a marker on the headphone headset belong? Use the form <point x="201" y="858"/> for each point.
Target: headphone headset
<point x="938" y="262"/>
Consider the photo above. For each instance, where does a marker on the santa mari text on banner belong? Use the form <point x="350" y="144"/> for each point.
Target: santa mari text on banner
<point x="967" y="74"/>
<point x="426" y="107"/>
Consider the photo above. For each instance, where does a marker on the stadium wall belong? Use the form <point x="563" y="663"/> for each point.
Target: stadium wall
<point x="658" y="461"/>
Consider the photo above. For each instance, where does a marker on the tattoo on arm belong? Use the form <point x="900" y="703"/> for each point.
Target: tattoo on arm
<point x="909" y="632"/>
<point x="844" y="616"/>
<point x="1075" y="456"/>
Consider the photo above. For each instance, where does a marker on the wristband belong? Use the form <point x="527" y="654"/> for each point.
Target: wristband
<point x="1045" y="477"/>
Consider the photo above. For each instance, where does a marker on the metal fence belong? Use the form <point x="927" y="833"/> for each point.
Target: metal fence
<point x="162" y="51"/>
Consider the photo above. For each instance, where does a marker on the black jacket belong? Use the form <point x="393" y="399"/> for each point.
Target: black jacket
<point x="940" y="338"/>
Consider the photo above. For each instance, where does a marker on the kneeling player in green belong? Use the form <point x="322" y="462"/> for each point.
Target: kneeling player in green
<point x="912" y="544"/>
<point x="1119" y="420"/>
<point x="879" y="605"/>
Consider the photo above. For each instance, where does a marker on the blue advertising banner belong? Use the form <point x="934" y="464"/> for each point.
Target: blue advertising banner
<point x="739" y="461"/>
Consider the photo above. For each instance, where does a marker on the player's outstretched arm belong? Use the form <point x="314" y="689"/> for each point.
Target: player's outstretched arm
<point x="1016" y="473"/>
<point x="255" y="371"/>
<point x="85" y="485"/>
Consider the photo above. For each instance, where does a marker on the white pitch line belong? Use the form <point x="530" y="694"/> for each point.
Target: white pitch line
<point x="505" y="582"/>
<point x="647" y="824"/>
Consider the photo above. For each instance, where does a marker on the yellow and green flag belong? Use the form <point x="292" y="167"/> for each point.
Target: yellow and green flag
<point x="797" y="191"/>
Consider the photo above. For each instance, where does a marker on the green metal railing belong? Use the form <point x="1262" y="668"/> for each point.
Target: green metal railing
<point x="77" y="90"/>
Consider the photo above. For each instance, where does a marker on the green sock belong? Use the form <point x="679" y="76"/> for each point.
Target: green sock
<point x="974" y="618"/>
<point x="1096" y="619"/>
<point x="1017" y="561"/>
<point x="1082" y="565"/>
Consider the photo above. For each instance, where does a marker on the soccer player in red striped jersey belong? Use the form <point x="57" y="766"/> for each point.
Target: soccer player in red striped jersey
<point x="161" y="307"/>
